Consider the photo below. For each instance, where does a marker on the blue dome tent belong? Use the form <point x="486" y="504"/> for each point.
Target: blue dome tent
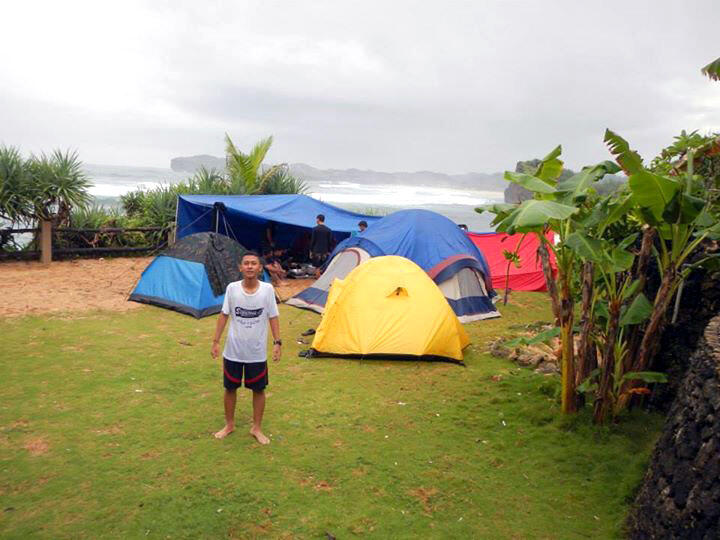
<point x="430" y="240"/>
<point x="191" y="276"/>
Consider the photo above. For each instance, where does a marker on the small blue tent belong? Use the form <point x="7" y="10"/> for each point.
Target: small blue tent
<point x="246" y="217"/>
<point x="430" y="240"/>
<point x="191" y="276"/>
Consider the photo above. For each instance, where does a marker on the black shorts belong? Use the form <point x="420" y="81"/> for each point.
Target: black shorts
<point x="256" y="375"/>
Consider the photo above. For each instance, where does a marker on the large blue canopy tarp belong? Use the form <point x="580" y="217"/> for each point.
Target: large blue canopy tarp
<point x="425" y="237"/>
<point x="245" y="217"/>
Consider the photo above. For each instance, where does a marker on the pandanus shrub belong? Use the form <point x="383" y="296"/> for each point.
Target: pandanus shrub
<point x="59" y="184"/>
<point x="15" y="187"/>
<point x="44" y="187"/>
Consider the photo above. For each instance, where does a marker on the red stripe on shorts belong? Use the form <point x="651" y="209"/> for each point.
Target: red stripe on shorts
<point x="249" y="381"/>
<point x="233" y="379"/>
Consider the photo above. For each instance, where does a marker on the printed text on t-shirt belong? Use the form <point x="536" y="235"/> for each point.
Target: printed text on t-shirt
<point x="248" y="313"/>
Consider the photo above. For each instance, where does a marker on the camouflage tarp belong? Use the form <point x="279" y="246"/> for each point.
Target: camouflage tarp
<point x="220" y="255"/>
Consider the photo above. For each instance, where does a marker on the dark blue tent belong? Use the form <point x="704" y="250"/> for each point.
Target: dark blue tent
<point x="426" y="238"/>
<point x="246" y="217"/>
<point x="430" y="240"/>
<point x="191" y="276"/>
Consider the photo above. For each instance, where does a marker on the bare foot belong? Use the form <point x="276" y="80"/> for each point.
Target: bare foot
<point x="224" y="432"/>
<point x="261" y="438"/>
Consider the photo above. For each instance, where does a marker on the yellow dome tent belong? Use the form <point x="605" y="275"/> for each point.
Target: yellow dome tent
<point x="388" y="306"/>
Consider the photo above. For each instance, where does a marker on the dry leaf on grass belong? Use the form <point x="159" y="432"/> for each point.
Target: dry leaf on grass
<point x="37" y="446"/>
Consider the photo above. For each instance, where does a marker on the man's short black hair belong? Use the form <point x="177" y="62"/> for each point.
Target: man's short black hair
<point x="321" y="218"/>
<point x="362" y="223"/>
<point x="251" y="254"/>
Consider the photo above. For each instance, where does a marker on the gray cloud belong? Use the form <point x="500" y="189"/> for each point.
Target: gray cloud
<point x="389" y="86"/>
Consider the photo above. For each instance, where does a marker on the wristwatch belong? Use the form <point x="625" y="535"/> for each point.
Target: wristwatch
<point x="277" y="342"/>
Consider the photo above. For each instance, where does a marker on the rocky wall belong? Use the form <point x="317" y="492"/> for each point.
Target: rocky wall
<point x="680" y="495"/>
<point x="700" y="301"/>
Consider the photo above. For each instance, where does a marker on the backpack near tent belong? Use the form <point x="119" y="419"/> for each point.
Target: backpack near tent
<point x="191" y="276"/>
<point x="389" y="307"/>
<point x="434" y="243"/>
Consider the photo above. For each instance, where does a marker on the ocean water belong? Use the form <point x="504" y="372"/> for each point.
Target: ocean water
<point x="456" y="204"/>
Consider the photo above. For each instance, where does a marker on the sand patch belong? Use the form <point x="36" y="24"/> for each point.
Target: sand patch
<point x="72" y="288"/>
<point x="78" y="286"/>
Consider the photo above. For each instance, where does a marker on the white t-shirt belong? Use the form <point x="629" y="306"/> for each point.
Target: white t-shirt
<point x="249" y="314"/>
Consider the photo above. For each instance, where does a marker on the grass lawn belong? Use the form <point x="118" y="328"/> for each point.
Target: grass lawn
<point x="106" y="422"/>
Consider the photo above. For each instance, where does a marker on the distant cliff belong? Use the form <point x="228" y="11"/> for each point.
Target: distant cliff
<point x="474" y="181"/>
<point x="192" y="163"/>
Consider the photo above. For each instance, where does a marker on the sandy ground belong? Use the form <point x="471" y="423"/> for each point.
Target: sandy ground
<point x="80" y="285"/>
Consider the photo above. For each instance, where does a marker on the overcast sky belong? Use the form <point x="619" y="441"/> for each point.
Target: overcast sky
<point x="385" y="85"/>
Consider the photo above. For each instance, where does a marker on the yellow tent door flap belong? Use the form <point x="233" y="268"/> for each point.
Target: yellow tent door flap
<point x="388" y="306"/>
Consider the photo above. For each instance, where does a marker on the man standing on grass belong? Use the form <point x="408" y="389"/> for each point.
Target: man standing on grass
<point x="250" y="305"/>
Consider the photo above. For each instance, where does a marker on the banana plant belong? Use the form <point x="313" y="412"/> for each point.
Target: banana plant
<point x="668" y="217"/>
<point x="558" y="207"/>
<point x="617" y="316"/>
<point x="611" y="304"/>
<point x="674" y="211"/>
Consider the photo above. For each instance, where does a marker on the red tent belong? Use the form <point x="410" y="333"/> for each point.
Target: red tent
<point x="529" y="277"/>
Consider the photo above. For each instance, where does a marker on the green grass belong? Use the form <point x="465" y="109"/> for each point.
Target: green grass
<point x="106" y="422"/>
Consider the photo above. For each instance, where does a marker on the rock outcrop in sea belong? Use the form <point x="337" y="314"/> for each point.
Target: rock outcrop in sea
<point x="191" y="164"/>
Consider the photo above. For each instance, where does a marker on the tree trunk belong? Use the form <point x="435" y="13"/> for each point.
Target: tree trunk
<point x="587" y="360"/>
<point x="603" y="402"/>
<point x="640" y="273"/>
<point x="507" y="284"/>
<point x="569" y="395"/>
<point x="653" y="332"/>
<point x="549" y="280"/>
<point x="657" y="318"/>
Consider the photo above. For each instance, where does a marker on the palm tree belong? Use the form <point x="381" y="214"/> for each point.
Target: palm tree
<point x="280" y="181"/>
<point x="247" y="176"/>
<point x="208" y="181"/>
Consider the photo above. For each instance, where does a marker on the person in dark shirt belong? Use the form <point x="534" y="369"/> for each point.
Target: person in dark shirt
<point x="320" y="241"/>
<point x="272" y="261"/>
